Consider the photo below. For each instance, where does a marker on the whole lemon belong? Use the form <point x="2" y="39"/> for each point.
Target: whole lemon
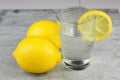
<point x="36" y="55"/>
<point x="45" y="28"/>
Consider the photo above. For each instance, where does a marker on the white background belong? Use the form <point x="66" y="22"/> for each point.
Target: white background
<point x="37" y="4"/>
<point x="55" y="4"/>
<point x="101" y="3"/>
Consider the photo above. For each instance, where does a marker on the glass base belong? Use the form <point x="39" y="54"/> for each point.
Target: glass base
<point x="76" y="65"/>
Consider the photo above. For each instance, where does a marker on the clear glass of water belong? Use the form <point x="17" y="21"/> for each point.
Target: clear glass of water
<point x="76" y="51"/>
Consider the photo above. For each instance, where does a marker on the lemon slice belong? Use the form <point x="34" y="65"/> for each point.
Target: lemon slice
<point x="95" y="25"/>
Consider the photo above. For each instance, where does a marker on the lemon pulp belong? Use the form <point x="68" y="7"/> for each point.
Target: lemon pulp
<point x="95" y="24"/>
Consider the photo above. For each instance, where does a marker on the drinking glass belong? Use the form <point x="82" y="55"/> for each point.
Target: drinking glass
<point x="76" y="51"/>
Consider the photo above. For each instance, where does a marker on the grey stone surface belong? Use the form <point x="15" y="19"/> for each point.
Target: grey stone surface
<point x="13" y="26"/>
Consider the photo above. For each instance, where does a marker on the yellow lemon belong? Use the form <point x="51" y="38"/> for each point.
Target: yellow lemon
<point x="95" y="24"/>
<point x="45" y="28"/>
<point x="36" y="55"/>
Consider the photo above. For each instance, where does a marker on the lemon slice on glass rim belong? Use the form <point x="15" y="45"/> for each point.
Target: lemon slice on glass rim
<point x="95" y="25"/>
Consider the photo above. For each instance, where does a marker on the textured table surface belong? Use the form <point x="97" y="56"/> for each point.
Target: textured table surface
<point x="13" y="26"/>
